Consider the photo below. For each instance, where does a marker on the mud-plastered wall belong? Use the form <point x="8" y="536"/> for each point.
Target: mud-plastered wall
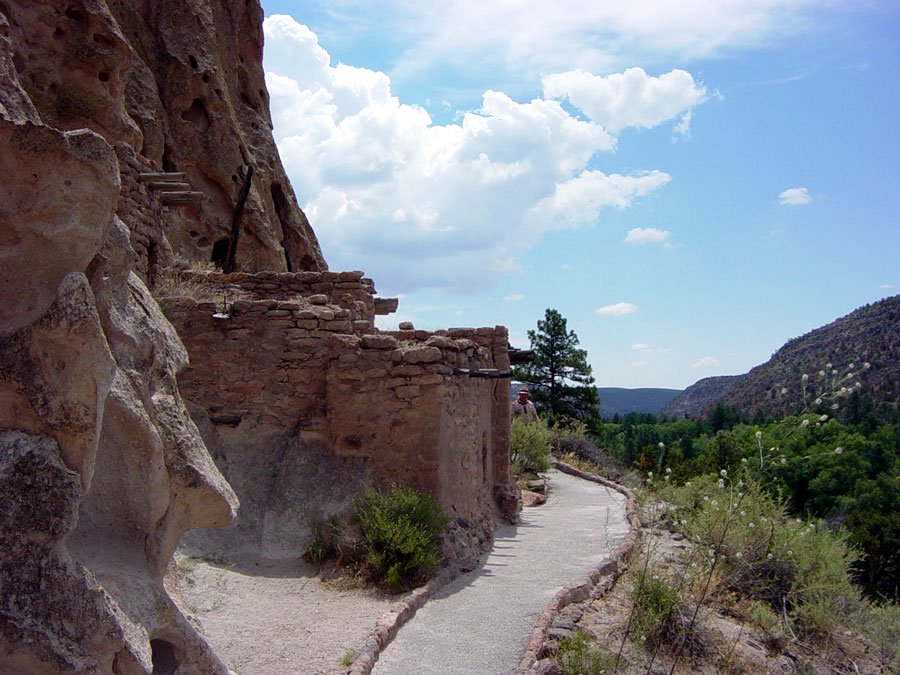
<point x="279" y="385"/>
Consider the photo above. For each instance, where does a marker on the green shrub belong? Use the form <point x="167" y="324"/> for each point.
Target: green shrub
<point x="577" y="656"/>
<point x="400" y="528"/>
<point x="529" y="447"/>
<point x="326" y="540"/>
<point x="660" y="615"/>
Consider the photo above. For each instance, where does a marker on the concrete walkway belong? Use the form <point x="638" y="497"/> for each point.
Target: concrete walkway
<point x="480" y="623"/>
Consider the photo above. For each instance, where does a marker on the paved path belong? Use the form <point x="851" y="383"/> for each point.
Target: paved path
<point x="480" y="623"/>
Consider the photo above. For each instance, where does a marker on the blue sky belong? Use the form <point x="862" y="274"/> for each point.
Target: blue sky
<point x="690" y="184"/>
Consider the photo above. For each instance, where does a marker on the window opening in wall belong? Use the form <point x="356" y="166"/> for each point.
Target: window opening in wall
<point x="220" y="252"/>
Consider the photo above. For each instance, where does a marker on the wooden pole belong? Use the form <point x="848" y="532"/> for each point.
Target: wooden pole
<point x="228" y="268"/>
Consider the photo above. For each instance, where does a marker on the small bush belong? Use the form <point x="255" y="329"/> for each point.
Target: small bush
<point x="400" y="528"/>
<point x="577" y="656"/>
<point x="326" y="541"/>
<point x="882" y="624"/>
<point x="529" y="447"/>
<point x="661" y="615"/>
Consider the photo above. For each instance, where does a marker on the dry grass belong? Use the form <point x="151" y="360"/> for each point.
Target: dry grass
<point x="176" y="283"/>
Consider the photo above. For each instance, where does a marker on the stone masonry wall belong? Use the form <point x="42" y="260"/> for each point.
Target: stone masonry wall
<point x="284" y="380"/>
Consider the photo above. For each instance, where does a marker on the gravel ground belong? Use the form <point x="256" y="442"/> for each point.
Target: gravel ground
<point x="278" y="619"/>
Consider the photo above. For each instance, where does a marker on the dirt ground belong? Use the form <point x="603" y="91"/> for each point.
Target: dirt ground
<point x="278" y="619"/>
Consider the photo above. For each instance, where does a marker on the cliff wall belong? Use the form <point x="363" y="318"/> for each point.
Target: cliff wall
<point x="136" y="141"/>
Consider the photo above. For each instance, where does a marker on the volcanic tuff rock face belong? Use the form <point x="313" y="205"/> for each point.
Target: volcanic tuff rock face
<point x="180" y="82"/>
<point x="101" y="467"/>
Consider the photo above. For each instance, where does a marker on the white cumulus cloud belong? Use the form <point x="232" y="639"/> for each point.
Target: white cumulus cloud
<point x="452" y="207"/>
<point x="514" y="297"/>
<point x="706" y="362"/>
<point x="649" y="235"/>
<point x="794" y="197"/>
<point x="629" y="99"/>
<point x="642" y="347"/>
<point x="618" y="309"/>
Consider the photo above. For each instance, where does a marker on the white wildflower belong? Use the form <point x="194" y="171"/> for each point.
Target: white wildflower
<point x="738" y="555"/>
<point x="650" y="474"/>
<point x="721" y="483"/>
<point x="838" y="450"/>
<point x="743" y="513"/>
<point x="688" y="484"/>
<point x="850" y="366"/>
<point x="823" y="418"/>
<point x="744" y="460"/>
<point x="751" y="525"/>
<point x="867" y="365"/>
<point x="784" y="390"/>
<point x="827" y="366"/>
<point x="804" y="423"/>
<point x="770" y="556"/>
<point x="805" y="377"/>
<point x="835" y="406"/>
<point x="821" y="373"/>
<point x="790" y="553"/>
<point x="783" y="460"/>
<point x="723" y="473"/>
<point x="661" y="445"/>
<point x="668" y="470"/>
<point x="818" y="401"/>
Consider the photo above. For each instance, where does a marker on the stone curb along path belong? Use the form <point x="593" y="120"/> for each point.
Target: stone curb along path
<point x="389" y="624"/>
<point x="607" y="573"/>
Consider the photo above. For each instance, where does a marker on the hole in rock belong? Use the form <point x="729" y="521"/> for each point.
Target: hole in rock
<point x="193" y="61"/>
<point x="197" y="115"/>
<point x="163" y="657"/>
<point x="205" y="77"/>
<point x="103" y="77"/>
<point x="75" y="14"/>
<point x="103" y="40"/>
<point x="167" y="163"/>
<point x="220" y="252"/>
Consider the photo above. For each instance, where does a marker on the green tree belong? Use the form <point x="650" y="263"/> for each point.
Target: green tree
<point x="559" y="376"/>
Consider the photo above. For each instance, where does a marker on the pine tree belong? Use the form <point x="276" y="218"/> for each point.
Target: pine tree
<point x="559" y="375"/>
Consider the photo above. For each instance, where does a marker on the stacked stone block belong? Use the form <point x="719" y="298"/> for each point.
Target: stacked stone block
<point x="305" y="364"/>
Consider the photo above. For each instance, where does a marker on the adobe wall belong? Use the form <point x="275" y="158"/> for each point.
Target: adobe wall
<point x="302" y="403"/>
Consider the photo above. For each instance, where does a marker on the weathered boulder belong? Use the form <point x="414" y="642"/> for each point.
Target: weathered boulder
<point x="57" y="196"/>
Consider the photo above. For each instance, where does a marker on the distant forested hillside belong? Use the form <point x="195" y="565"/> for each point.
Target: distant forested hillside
<point x="616" y="400"/>
<point x="696" y="400"/>
<point x="849" y="368"/>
